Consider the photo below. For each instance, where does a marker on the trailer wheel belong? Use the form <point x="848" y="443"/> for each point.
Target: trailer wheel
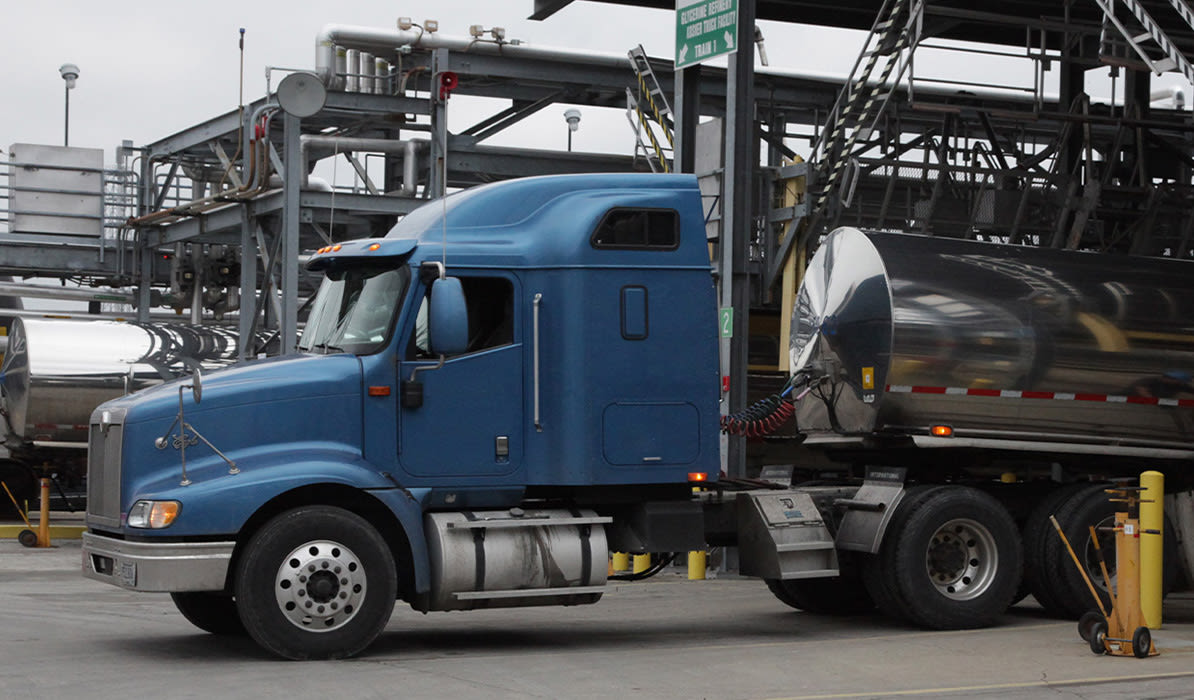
<point x="211" y="612"/>
<point x="1066" y="591"/>
<point x="876" y="570"/>
<point x="840" y="595"/>
<point x="1038" y="535"/>
<point x="316" y="582"/>
<point x="953" y="561"/>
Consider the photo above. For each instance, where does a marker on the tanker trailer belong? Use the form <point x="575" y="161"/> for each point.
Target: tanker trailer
<point x="997" y="382"/>
<point x="56" y="371"/>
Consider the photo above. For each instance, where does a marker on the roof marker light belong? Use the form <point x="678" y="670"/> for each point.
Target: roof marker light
<point x="336" y="248"/>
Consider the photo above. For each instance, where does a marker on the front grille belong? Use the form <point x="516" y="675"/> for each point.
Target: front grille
<point x="103" y="468"/>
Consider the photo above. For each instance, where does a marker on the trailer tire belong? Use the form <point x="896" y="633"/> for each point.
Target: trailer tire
<point x="316" y="582"/>
<point x="1038" y="536"/>
<point x="211" y="612"/>
<point x="953" y="561"/>
<point x="840" y="595"/>
<point x="875" y="570"/>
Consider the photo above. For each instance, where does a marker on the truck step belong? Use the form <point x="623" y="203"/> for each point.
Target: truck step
<point x="528" y="592"/>
<point x="527" y="522"/>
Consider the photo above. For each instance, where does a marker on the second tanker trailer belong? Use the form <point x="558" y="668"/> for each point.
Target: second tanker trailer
<point x="1007" y="383"/>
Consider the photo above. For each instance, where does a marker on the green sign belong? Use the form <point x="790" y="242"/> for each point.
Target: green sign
<point x="705" y="29"/>
<point x="726" y="321"/>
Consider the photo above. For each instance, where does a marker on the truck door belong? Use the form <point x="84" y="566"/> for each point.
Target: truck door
<point x="470" y="422"/>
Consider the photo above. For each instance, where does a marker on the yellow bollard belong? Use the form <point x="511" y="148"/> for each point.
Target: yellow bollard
<point x="1152" y="546"/>
<point x="621" y="561"/>
<point x="43" y="527"/>
<point x="696" y="565"/>
<point x="642" y="562"/>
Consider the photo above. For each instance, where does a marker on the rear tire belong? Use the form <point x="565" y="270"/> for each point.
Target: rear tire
<point x="953" y="561"/>
<point x="1038" y="535"/>
<point x="316" y="582"/>
<point x="211" y="612"/>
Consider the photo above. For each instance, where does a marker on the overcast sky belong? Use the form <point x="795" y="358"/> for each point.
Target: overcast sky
<point x="151" y="68"/>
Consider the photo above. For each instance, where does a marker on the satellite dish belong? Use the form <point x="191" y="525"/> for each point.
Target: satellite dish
<point x="301" y="94"/>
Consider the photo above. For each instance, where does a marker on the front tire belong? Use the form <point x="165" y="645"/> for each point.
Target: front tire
<point x="211" y="612"/>
<point x="316" y="582"/>
<point x="950" y="560"/>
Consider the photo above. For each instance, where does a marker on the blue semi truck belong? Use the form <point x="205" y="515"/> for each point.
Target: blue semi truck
<point x="522" y="377"/>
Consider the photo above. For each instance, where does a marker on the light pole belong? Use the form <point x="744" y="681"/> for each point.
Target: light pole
<point x="572" y="116"/>
<point x="70" y="73"/>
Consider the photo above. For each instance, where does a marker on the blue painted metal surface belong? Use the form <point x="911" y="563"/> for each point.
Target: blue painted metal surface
<point x="622" y="372"/>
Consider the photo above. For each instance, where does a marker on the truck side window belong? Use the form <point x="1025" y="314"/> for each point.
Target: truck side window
<point x="490" y="303"/>
<point x="652" y="229"/>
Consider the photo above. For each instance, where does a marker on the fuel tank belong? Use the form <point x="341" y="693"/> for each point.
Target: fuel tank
<point x="904" y="332"/>
<point x="56" y="371"/>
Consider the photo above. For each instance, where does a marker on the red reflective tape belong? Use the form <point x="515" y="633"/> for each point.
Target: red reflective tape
<point x="1037" y="395"/>
<point x="982" y="392"/>
<point x="1185" y="403"/>
<point x="1147" y="400"/>
<point x="1090" y="397"/>
<point x="928" y="390"/>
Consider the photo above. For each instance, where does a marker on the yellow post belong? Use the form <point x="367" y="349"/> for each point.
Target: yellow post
<point x="621" y="561"/>
<point x="696" y="565"/>
<point x="642" y="562"/>
<point x="43" y="527"/>
<point x="1152" y="546"/>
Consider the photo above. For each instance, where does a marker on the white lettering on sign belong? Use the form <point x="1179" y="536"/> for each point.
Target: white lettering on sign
<point x="704" y="48"/>
<point x="693" y="14"/>
<point x="719" y="5"/>
<point x="692" y="30"/>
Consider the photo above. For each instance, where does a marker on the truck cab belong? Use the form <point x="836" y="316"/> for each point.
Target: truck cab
<point x="515" y="379"/>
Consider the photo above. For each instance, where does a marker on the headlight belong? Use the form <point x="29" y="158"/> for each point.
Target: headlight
<point x="153" y="515"/>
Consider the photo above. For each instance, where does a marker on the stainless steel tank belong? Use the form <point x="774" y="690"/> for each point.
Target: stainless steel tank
<point x="998" y="342"/>
<point x="56" y="372"/>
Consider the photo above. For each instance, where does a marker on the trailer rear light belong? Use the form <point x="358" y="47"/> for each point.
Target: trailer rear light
<point x="153" y="515"/>
<point x="697" y="476"/>
<point x="941" y="431"/>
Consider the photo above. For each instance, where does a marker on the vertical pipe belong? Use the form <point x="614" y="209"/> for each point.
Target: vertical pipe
<point x="288" y="257"/>
<point x="43" y="526"/>
<point x="368" y="68"/>
<point x="352" y="82"/>
<point x="247" y="314"/>
<point x="697" y="563"/>
<point x="1152" y="546"/>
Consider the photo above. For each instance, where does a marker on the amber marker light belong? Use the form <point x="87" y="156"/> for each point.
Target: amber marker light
<point x="375" y="246"/>
<point x="941" y="431"/>
<point x="697" y="476"/>
<point x="336" y="248"/>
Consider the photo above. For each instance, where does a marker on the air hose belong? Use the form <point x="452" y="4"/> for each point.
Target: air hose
<point x="766" y="415"/>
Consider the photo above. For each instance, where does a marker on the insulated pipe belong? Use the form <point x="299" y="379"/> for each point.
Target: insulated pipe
<point x="384" y="41"/>
<point x="367" y="68"/>
<point x="348" y="144"/>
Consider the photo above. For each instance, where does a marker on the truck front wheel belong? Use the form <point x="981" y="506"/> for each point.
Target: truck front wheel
<point x="316" y="582"/>
<point x="950" y="560"/>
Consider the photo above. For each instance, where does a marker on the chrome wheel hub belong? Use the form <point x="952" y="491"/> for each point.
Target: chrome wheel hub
<point x="320" y="586"/>
<point x="962" y="559"/>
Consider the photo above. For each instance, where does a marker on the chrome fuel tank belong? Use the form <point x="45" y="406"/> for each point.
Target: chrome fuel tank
<point x="56" y="372"/>
<point x="996" y="341"/>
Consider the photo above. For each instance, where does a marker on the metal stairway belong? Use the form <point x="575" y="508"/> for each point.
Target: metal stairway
<point x="648" y="112"/>
<point x="1138" y="39"/>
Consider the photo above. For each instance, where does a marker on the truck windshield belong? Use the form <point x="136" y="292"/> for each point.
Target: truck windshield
<point x="354" y="309"/>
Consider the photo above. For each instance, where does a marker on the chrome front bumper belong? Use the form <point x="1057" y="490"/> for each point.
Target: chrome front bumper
<point x="153" y="566"/>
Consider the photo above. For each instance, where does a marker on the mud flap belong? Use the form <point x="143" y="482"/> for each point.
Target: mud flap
<point x="869" y="511"/>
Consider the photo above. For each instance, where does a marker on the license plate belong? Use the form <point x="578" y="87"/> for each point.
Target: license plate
<point x="128" y="573"/>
